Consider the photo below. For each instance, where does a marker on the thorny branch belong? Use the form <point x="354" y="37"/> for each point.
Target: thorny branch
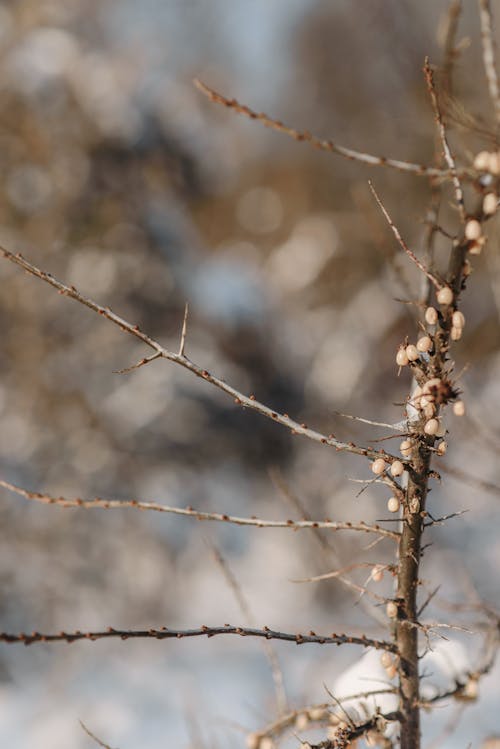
<point x="179" y="358"/>
<point x="321" y="144"/>
<point x="116" y="504"/>
<point x="168" y="634"/>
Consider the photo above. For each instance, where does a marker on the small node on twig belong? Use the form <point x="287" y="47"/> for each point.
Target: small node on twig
<point x="459" y="408"/>
<point x="397" y="468"/>
<point x="402" y="357"/>
<point x="431" y="316"/>
<point x="445" y="295"/>
<point x="424" y="344"/>
<point x="393" y="504"/>
<point x="472" y="229"/>
<point x="378" y="466"/>
<point x="405" y="448"/>
<point x="490" y="203"/>
<point x="431" y="427"/>
<point x="391" y="610"/>
<point x="412" y="352"/>
<point x="442" y="448"/>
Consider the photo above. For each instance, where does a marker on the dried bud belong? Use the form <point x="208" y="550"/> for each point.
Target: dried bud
<point x="431" y="316"/>
<point x="441" y="430"/>
<point x="424" y="344"/>
<point x="391" y="610"/>
<point x="445" y="295"/>
<point x="490" y="204"/>
<point x="482" y="161"/>
<point x="391" y="671"/>
<point x="470" y="691"/>
<point x="429" y="410"/>
<point x="442" y="448"/>
<point x="386" y="659"/>
<point x="494" y="163"/>
<point x="412" y="352"/>
<point x="430" y="385"/>
<point x="476" y="246"/>
<point x="457" y="319"/>
<point x="401" y="357"/>
<point x="431" y="427"/>
<point x="405" y="448"/>
<point x="393" y="504"/>
<point x="472" y="229"/>
<point x="378" y="466"/>
<point x="459" y="408"/>
<point x="397" y="468"/>
<point x="456" y="333"/>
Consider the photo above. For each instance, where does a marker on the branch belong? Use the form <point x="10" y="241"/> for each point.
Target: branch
<point x="345" y="736"/>
<point x="239" y="398"/>
<point x="319" y="143"/>
<point x="485" y="18"/>
<point x="118" y="504"/>
<point x="93" y="737"/>
<point x="168" y="634"/>
<point x="459" y="195"/>
<point x="401" y="241"/>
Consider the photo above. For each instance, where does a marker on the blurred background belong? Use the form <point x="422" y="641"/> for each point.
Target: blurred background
<point x="118" y="176"/>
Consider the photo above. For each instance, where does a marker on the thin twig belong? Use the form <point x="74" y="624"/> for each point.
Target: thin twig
<point x="488" y="43"/>
<point x="369" y="421"/>
<point x="184" y="330"/>
<point x="93" y="737"/>
<point x="449" y="45"/>
<point x="401" y="241"/>
<point x="138" y="365"/>
<point x="321" y="144"/>
<point x="239" y="398"/>
<point x="168" y="634"/>
<point x="459" y="195"/>
<point x="234" y="585"/>
<point x="115" y="504"/>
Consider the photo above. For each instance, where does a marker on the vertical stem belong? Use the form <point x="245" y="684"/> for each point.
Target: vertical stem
<point x="408" y="576"/>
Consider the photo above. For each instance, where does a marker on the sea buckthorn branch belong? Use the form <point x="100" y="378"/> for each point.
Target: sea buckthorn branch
<point x="322" y="144"/>
<point x="180" y="358"/>
<point x="118" y="504"/>
<point x="165" y="633"/>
